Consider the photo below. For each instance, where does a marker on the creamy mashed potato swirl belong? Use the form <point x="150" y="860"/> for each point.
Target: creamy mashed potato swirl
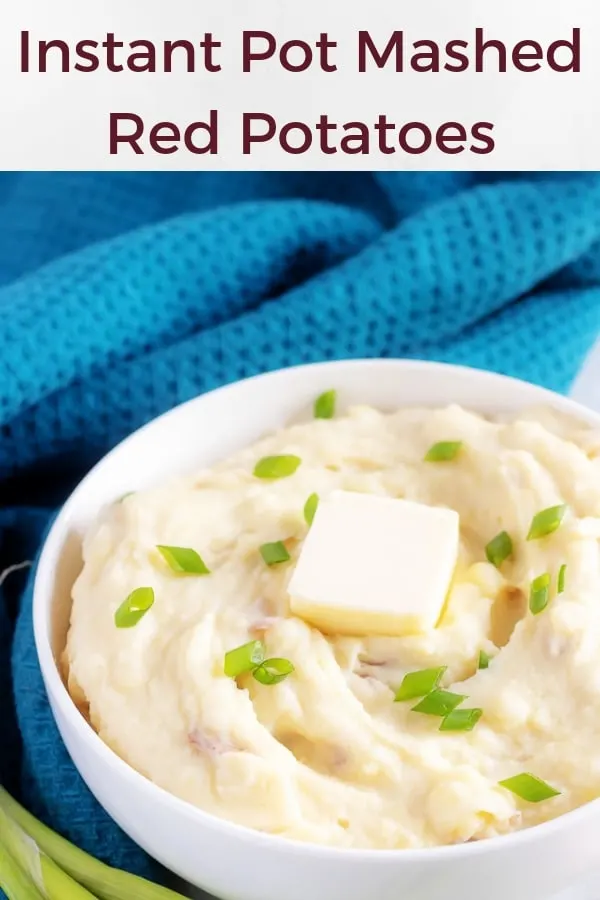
<point x="327" y="756"/>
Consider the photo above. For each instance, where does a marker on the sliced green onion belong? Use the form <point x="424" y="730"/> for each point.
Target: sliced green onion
<point x="310" y="508"/>
<point x="561" y="578"/>
<point x="325" y="405"/>
<point x="125" y="496"/>
<point x="546" y="522"/>
<point x="274" y="553"/>
<point x="417" y="684"/>
<point x="461" y="720"/>
<point x="499" y="549"/>
<point x="276" y="466"/>
<point x="184" y="560"/>
<point x="444" y="451"/>
<point x="529" y="787"/>
<point x="272" y="671"/>
<point x="484" y="660"/>
<point x="134" y="607"/>
<point x="244" y="658"/>
<point x="439" y="703"/>
<point x="539" y="593"/>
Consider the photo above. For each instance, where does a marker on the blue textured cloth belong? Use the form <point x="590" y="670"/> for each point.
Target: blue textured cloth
<point x="122" y="295"/>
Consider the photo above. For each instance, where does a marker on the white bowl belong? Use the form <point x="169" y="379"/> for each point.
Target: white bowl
<point x="231" y="861"/>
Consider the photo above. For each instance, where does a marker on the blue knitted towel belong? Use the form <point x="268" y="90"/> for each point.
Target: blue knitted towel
<point x="122" y="295"/>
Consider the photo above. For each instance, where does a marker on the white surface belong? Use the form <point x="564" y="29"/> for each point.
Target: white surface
<point x="375" y="565"/>
<point x="586" y="388"/>
<point x="228" y="860"/>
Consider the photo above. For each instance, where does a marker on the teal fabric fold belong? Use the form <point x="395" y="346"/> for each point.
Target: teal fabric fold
<point x="122" y="295"/>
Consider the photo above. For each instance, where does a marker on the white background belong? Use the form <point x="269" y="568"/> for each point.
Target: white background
<point x="543" y="120"/>
<point x="586" y="389"/>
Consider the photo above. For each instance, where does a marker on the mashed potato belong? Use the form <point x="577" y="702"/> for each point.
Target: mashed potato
<point x="326" y="755"/>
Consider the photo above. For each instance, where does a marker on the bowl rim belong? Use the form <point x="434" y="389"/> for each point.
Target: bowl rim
<point x="112" y="762"/>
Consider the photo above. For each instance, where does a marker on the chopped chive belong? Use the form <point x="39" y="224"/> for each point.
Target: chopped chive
<point x="125" y="496"/>
<point x="484" y="660"/>
<point x="183" y="560"/>
<point x="439" y="703"/>
<point x="310" y="508"/>
<point x="325" y="405"/>
<point x="272" y="671"/>
<point x="561" y="578"/>
<point x="444" y="451"/>
<point x="417" y="684"/>
<point x="499" y="549"/>
<point x="546" y="522"/>
<point x="244" y="658"/>
<point x="539" y="593"/>
<point x="529" y="787"/>
<point x="274" y="553"/>
<point x="276" y="466"/>
<point x="461" y="720"/>
<point x="134" y="607"/>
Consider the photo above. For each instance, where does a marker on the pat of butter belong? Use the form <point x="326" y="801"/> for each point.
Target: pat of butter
<point x="375" y="565"/>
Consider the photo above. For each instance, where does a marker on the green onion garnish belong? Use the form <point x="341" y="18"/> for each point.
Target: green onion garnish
<point x="439" y="703"/>
<point x="529" y="788"/>
<point x="484" y="660"/>
<point x="461" y="720"/>
<point x="274" y="553"/>
<point x="310" y="508"/>
<point x="276" y="466"/>
<point x="545" y="522"/>
<point x="272" y="671"/>
<point x="244" y="658"/>
<point x="134" y="607"/>
<point x="417" y="684"/>
<point x="499" y="549"/>
<point x="251" y="658"/>
<point x="539" y="593"/>
<point x="443" y="452"/>
<point x="325" y="405"/>
<point x="183" y="560"/>
<point x="561" y="578"/>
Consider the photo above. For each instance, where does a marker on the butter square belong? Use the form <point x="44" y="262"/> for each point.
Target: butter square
<point x="375" y="565"/>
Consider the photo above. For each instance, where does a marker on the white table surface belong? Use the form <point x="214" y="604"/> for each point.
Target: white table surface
<point x="587" y="386"/>
<point x="586" y="390"/>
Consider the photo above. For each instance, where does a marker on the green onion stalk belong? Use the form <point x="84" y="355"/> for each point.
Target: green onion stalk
<point x="38" y="864"/>
<point x="14" y="881"/>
